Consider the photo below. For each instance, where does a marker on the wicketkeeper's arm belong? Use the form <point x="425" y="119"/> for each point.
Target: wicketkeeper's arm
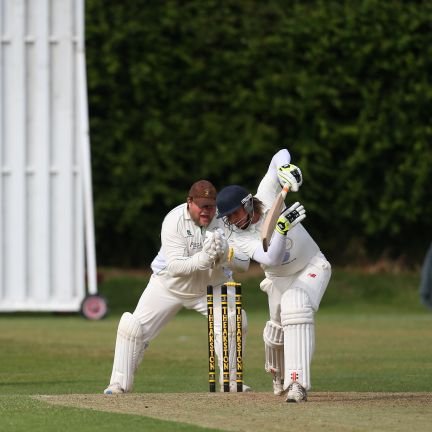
<point x="179" y="265"/>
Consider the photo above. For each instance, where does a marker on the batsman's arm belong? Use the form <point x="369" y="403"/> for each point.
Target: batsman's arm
<point x="279" y="159"/>
<point x="269" y="187"/>
<point x="275" y="253"/>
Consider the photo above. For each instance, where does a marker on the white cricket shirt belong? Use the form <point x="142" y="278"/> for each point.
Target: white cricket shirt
<point x="176" y="264"/>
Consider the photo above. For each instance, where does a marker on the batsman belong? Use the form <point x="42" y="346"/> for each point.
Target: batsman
<point x="194" y="253"/>
<point x="296" y="272"/>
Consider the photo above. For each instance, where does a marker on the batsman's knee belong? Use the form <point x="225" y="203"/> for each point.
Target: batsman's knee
<point x="296" y="308"/>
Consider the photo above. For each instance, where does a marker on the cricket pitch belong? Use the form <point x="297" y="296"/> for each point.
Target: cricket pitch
<point x="258" y="411"/>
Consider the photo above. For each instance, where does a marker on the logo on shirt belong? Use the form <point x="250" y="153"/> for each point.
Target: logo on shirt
<point x="312" y="275"/>
<point x="195" y="245"/>
<point x="289" y="243"/>
<point x="286" y="257"/>
<point x="189" y="233"/>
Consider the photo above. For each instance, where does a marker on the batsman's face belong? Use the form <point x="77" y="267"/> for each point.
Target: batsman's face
<point x="239" y="218"/>
<point x="203" y="215"/>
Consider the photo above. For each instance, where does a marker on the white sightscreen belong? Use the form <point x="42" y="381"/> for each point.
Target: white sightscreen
<point x="47" y="259"/>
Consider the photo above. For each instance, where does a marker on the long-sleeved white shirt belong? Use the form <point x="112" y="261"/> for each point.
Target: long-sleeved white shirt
<point x="177" y="263"/>
<point x="299" y="246"/>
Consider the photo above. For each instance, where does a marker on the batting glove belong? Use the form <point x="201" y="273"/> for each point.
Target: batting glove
<point x="290" y="174"/>
<point x="290" y="218"/>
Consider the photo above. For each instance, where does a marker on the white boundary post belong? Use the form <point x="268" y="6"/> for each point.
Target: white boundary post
<point x="85" y="156"/>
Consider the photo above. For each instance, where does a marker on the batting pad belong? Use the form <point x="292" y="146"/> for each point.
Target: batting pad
<point x="299" y="336"/>
<point x="129" y="351"/>
<point x="273" y="336"/>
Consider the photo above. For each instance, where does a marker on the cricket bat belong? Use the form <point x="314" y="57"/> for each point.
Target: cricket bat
<point x="269" y="223"/>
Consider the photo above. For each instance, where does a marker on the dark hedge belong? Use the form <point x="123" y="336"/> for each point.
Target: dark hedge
<point x="183" y="90"/>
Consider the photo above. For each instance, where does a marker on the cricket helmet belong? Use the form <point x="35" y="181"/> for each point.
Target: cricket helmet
<point x="230" y="198"/>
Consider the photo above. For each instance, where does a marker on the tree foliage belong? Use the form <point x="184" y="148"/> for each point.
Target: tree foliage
<point x="211" y="89"/>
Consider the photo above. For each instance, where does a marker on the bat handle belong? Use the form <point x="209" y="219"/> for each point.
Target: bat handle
<point x="285" y="189"/>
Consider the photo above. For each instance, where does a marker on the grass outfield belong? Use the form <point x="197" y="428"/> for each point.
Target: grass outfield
<point x="372" y="368"/>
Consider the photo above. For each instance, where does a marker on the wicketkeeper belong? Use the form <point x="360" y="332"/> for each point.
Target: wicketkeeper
<point x="296" y="271"/>
<point x="194" y="253"/>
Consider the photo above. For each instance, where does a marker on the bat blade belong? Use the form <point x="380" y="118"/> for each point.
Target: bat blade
<point x="269" y="223"/>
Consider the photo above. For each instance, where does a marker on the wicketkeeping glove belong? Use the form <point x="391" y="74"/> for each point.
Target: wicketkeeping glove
<point x="221" y="244"/>
<point x="290" y="218"/>
<point x="290" y="174"/>
<point x="208" y="254"/>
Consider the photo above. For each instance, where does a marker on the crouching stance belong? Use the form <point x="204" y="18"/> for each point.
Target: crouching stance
<point x="297" y="273"/>
<point x="194" y="253"/>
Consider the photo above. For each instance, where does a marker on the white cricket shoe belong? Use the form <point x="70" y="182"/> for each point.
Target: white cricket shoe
<point x="296" y="393"/>
<point x="233" y="387"/>
<point x="113" y="389"/>
<point x="278" y="389"/>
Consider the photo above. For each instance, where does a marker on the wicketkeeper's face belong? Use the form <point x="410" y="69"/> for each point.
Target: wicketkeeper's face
<point x="203" y="215"/>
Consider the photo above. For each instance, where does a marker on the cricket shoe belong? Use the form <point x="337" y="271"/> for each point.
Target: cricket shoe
<point x="233" y="387"/>
<point x="296" y="393"/>
<point x="113" y="389"/>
